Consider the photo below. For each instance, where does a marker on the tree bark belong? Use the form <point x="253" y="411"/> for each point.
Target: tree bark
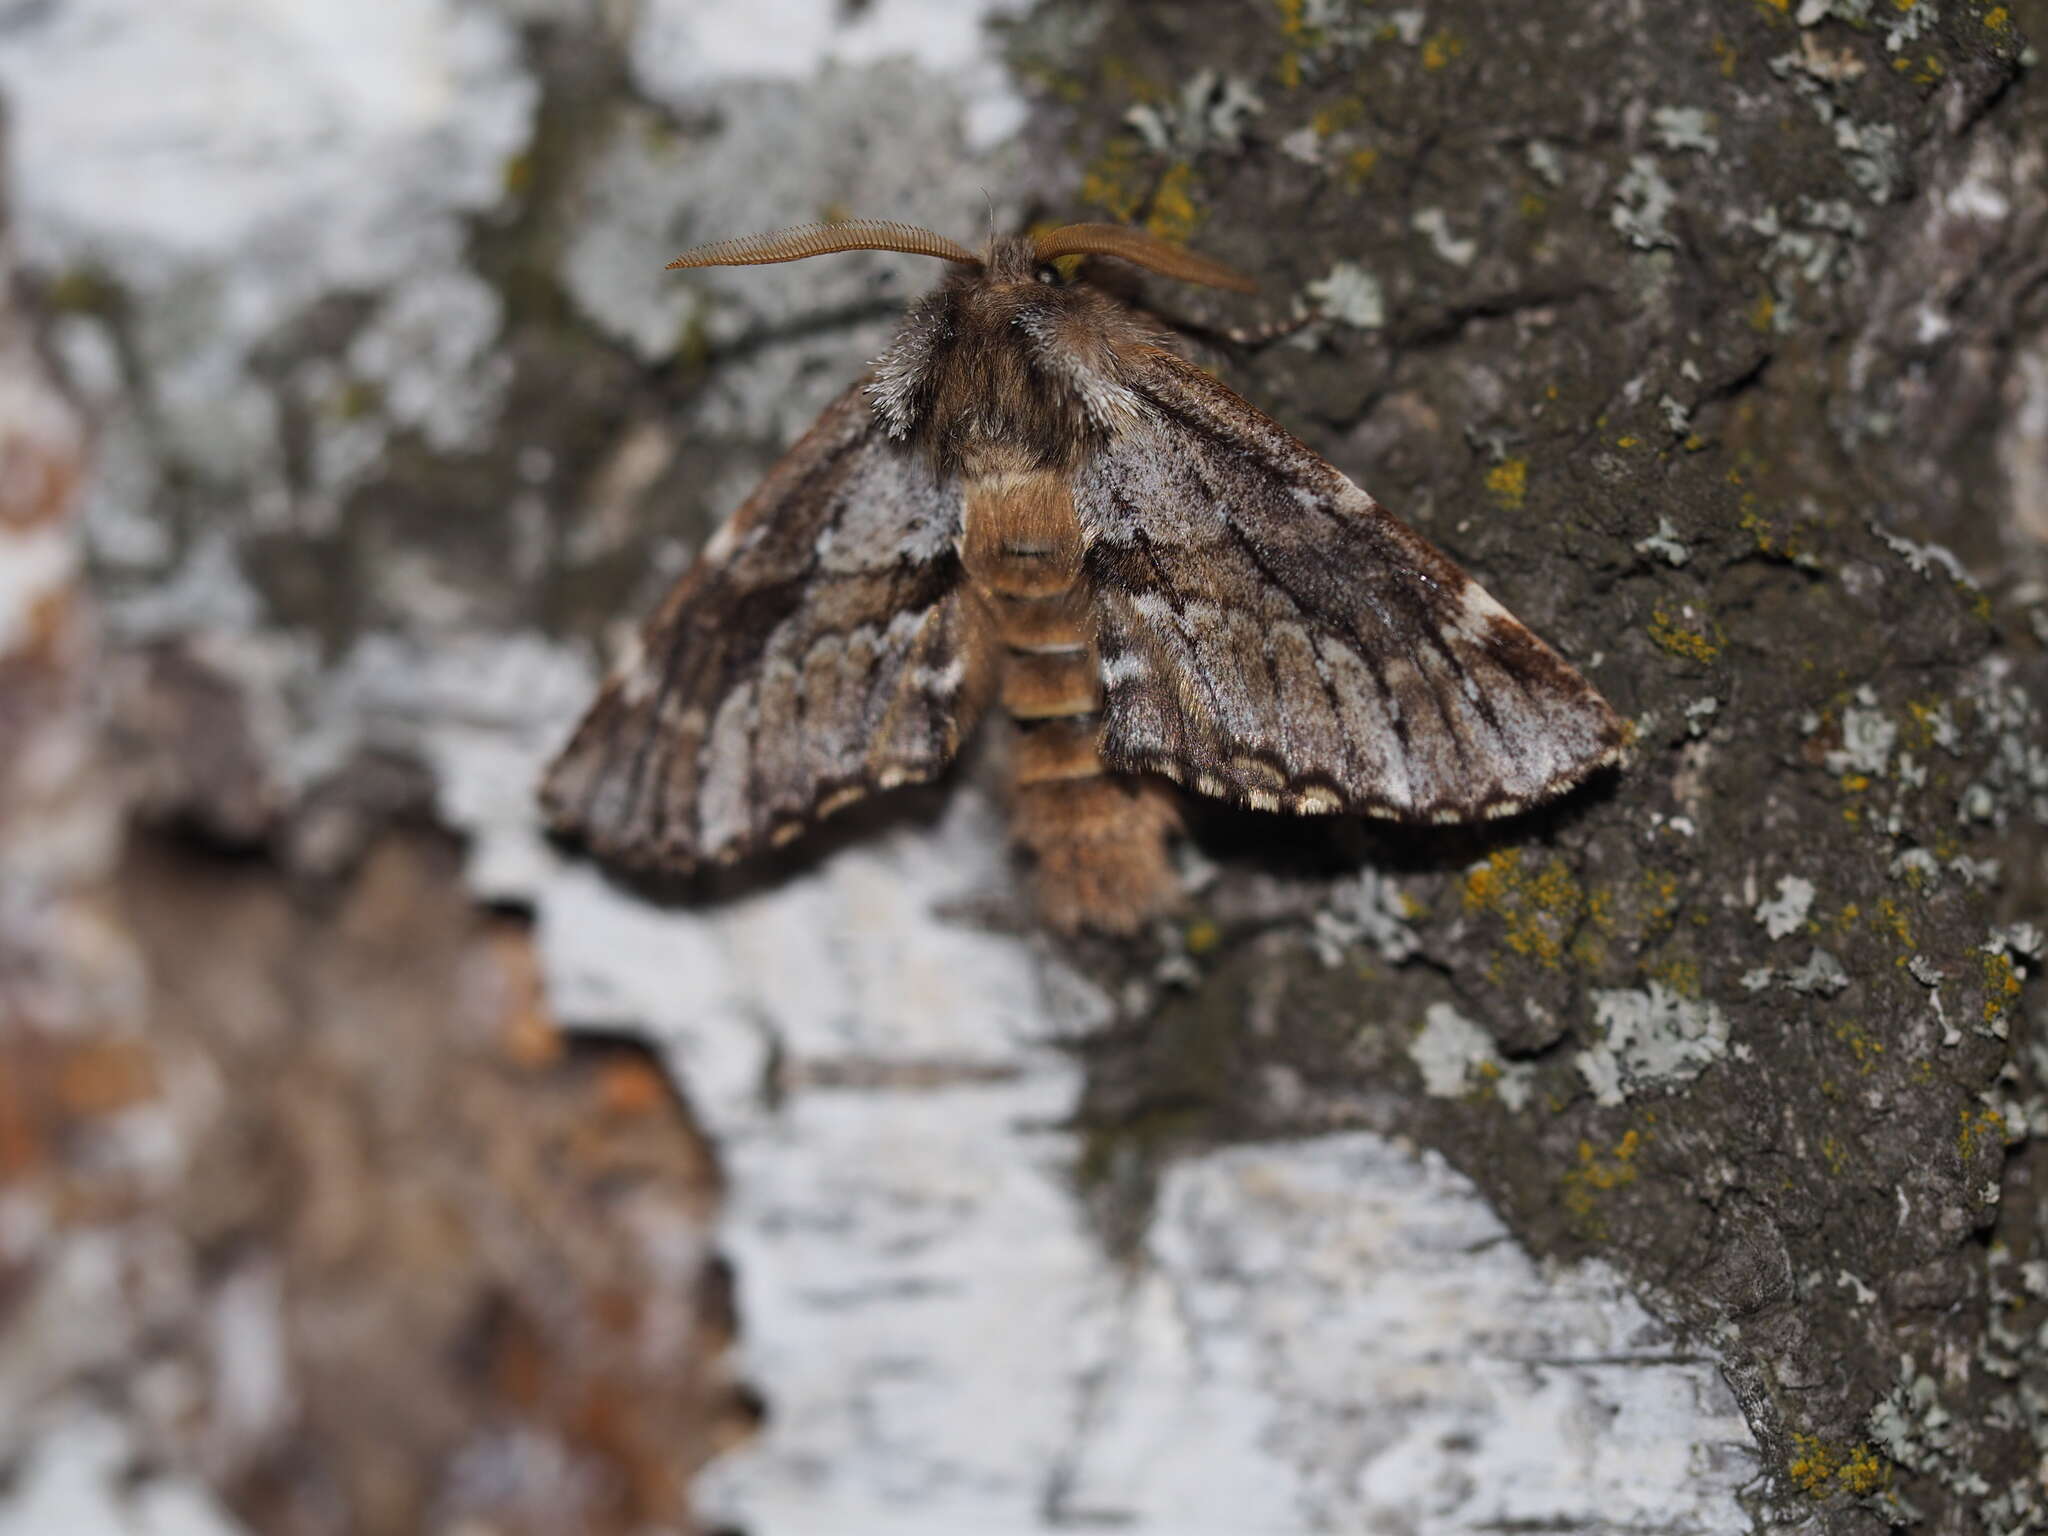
<point x="1712" y="340"/>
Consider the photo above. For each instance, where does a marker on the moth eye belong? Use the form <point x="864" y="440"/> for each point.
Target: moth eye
<point x="1049" y="274"/>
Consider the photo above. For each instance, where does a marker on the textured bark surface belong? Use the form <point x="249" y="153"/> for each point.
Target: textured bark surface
<point x="1683" y="366"/>
<point x="1712" y="339"/>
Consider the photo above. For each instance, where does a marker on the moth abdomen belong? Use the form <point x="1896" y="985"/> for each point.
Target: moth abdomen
<point x="1099" y="845"/>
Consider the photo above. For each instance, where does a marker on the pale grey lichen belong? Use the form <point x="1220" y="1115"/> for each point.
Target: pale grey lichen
<point x="1457" y="1056"/>
<point x="1434" y="223"/>
<point x="1821" y="976"/>
<point x="1784" y="913"/>
<point x="1303" y="144"/>
<point x="1913" y="1427"/>
<point x="1871" y="151"/>
<point x="1648" y="1037"/>
<point x="2008" y="721"/>
<point x="1921" y="559"/>
<point x="1664" y="543"/>
<point x="1351" y="296"/>
<point x="1699" y="714"/>
<point x="1209" y="113"/>
<point x="1685" y="128"/>
<point x="1916" y="865"/>
<point x="1978" y="874"/>
<point x="1867" y="740"/>
<point x="1408" y="23"/>
<point x="2019" y="941"/>
<point x="1643" y="200"/>
<point x="1545" y="161"/>
<point x="1370" y="909"/>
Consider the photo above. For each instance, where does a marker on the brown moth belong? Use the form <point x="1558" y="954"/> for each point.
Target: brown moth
<point x="1032" y="499"/>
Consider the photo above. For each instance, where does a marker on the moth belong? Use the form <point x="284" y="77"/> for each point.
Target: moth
<point x="1033" y="501"/>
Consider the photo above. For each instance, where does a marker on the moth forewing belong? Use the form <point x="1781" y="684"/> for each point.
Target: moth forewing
<point x="1032" y="498"/>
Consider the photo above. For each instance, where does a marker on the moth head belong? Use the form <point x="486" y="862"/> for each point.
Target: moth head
<point x="1035" y="254"/>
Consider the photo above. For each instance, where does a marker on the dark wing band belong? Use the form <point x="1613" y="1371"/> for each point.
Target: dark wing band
<point x="1271" y="634"/>
<point x="820" y="649"/>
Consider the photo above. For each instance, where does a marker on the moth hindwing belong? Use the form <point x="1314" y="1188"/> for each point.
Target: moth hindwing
<point x="1032" y="499"/>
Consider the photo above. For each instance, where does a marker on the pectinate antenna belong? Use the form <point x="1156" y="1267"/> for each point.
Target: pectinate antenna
<point x="824" y="240"/>
<point x="1140" y="249"/>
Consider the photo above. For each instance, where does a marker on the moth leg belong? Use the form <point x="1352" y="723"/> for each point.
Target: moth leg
<point x="1272" y="330"/>
<point x="1238" y="335"/>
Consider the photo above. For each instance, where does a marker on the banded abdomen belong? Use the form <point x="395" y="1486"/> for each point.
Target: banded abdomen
<point x="1099" y="840"/>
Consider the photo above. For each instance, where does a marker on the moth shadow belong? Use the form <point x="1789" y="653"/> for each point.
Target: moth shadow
<point x="918" y="807"/>
<point x="1322" y="848"/>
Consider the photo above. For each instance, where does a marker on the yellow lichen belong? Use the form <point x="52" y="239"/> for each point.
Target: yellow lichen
<point x="1763" y="314"/>
<point x="1295" y="28"/>
<point x="1724" y="51"/>
<point x="2001" y="987"/>
<point x="1674" y="636"/>
<point x="1864" y="1472"/>
<point x="1660" y="891"/>
<point x="1893" y="920"/>
<point x="1509" y="482"/>
<point x="1998" y="18"/>
<point x="1821" y="1469"/>
<point x="515" y="176"/>
<point x="1116" y="181"/>
<point x="1835" y="1155"/>
<point x="1338" y="116"/>
<point x="1202" y="936"/>
<point x="1982" y="1130"/>
<point x="1358" y="165"/>
<point x="1597" y="1173"/>
<point x="1174" y="216"/>
<point x="1681" y="975"/>
<point x="1920" y="734"/>
<point x="1600" y="910"/>
<point x="80" y="290"/>
<point x="1440" y="50"/>
<point x="1533" y="207"/>
<point x="1862" y="1044"/>
<point x="1538" y="910"/>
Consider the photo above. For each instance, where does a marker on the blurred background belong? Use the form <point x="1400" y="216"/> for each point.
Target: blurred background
<point x="368" y="1165"/>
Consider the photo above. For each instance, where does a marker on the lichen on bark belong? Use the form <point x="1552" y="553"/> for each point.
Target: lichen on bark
<point x="1654" y="331"/>
<point x="1702" y="342"/>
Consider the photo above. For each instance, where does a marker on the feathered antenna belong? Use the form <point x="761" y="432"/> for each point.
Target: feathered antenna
<point x="823" y="240"/>
<point x="1141" y="249"/>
